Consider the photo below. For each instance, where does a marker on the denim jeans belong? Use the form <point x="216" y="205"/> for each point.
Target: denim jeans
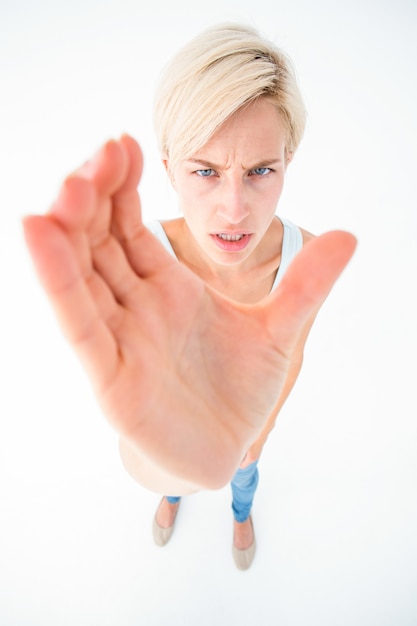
<point x="243" y="485"/>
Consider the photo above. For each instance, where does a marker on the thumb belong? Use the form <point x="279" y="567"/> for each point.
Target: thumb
<point x="306" y="285"/>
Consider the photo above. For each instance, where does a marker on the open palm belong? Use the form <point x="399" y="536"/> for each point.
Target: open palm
<point x="181" y="372"/>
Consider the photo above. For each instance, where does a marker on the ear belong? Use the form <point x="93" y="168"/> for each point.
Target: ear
<point x="289" y="157"/>
<point x="168" y="170"/>
<point x="164" y="158"/>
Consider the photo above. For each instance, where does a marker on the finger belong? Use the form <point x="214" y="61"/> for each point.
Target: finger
<point x="146" y="254"/>
<point x="114" y="175"/>
<point x="109" y="255"/>
<point x="103" y="266"/>
<point x="106" y="172"/>
<point x="135" y="160"/>
<point x="113" y="266"/>
<point x="306" y="285"/>
<point x="127" y="214"/>
<point x="108" y="175"/>
<point x="70" y="296"/>
<point x="84" y="207"/>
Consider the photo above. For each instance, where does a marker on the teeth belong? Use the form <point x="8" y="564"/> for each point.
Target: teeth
<point x="230" y="237"/>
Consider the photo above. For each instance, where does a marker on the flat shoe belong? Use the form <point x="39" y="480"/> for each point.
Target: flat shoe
<point x="243" y="558"/>
<point x="161" y="535"/>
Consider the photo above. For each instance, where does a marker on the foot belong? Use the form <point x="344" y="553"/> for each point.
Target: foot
<point x="243" y="535"/>
<point x="164" y="521"/>
<point x="166" y="513"/>
<point x="244" y="544"/>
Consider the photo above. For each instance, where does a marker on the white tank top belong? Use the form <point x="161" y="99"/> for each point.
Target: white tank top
<point x="292" y="242"/>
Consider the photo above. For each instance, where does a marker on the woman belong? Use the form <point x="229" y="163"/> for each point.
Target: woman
<point x="192" y="360"/>
<point x="229" y="117"/>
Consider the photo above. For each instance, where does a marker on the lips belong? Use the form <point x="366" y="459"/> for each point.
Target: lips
<point x="231" y="242"/>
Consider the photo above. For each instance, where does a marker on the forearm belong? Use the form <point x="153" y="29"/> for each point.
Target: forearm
<point x="254" y="451"/>
<point x="289" y="384"/>
<point x="293" y="372"/>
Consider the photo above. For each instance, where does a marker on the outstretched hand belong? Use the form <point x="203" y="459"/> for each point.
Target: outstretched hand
<point x="185" y="375"/>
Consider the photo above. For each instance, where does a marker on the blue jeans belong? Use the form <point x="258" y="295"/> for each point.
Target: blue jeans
<point x="243" y="485"/>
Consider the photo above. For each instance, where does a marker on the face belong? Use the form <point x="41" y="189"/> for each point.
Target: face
<point x="229" y="190"/>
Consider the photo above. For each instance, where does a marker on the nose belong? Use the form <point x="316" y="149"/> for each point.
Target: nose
<point x="233" y="202"/>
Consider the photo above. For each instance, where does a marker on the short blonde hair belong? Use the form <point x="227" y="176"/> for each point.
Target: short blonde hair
<point x="212" y="77"/>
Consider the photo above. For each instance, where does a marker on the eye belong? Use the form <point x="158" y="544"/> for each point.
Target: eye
<point x="261" y="171"/>
<point x="205" y="173"/>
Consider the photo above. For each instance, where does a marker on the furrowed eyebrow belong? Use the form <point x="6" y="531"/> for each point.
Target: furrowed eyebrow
<point x="265" y="163"/>
<point x="206" y="164"/>
<point x="215" y="166"/>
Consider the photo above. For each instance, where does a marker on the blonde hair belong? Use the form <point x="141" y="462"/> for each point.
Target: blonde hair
<point x="218" y="72"/>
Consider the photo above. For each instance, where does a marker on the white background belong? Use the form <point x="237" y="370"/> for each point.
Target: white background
<point x="336" y="511"/>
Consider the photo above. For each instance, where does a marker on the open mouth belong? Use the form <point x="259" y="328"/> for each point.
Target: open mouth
<point x="230" y="237"/>
<point x="231" y="243"/>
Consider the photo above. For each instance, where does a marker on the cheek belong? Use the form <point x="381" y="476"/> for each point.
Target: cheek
<point x="277" y="189"/>
<point x="193" y="197"/>
<point x="190" y="207"/>
<point x="271" y="194"/>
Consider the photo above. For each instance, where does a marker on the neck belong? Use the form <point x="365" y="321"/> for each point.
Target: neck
<point x="246" y="282"/>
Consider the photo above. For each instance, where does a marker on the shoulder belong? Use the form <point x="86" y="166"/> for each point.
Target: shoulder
<point x="306" y="235"/>
<point x="155" y="227"/>
<point x="158" y="229"/>
<point x="302" y="235"/>
<point x="174" y="228"/>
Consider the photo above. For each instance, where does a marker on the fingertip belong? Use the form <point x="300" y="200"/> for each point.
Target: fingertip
<point x="29" y="225"/>
<point x="34" y="228"/>
<point x="38" y="231"/>
<point x="353" y="239"/>
<point x="130" y="143"/>
<point x="334" y="244"/>
<point x="343" y="243"/>
<point x="132" y="147"/>
<point x="135" y="157"/>
<point x="26" y="220"/>
<point x="315" y="269"/>
<point x="107" y="168"/>
<point x="347" y="237"/>
<point x="75" y="203"/>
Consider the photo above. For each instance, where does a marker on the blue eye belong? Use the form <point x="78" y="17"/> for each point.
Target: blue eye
<point x="205" y="173"/>
<point x="261" y="171"/>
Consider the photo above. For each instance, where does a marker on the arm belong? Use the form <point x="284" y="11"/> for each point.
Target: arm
<point x="163" y="351"/>
<point x="255" y="449"/>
